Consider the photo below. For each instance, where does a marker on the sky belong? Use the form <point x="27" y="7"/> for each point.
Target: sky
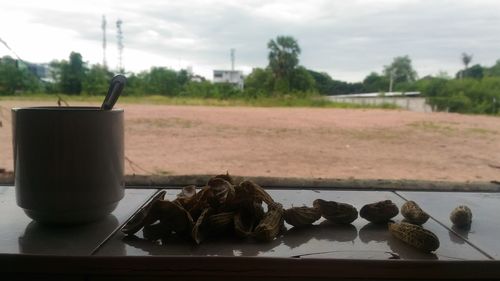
<point x="346" y="39"/>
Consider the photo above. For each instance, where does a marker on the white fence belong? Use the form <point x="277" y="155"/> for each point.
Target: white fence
<point x="417" y="104"/>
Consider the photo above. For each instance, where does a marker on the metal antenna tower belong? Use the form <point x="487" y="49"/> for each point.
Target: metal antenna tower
<point x="103" y="27"/>
<point x="232" y="59"/>
<point x="119" y="37"/>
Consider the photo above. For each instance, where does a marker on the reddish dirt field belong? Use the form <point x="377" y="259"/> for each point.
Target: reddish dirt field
<point x="301" y="142"/>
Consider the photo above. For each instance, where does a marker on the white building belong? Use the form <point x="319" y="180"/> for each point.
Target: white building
<point x="234" y="77"/>
<point x="42" y="70"/>
<point x="412" y="101"/>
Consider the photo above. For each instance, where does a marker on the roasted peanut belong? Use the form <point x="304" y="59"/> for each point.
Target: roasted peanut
<point x="461" y="216"/>
<point x="413" y="213"/>
<point x="379" y="212"/>
<point x="301" y="216"/>
<point x="335" y="212"/>
<point x="415" y="236"/>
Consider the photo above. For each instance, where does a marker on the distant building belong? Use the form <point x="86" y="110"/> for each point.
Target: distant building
<point x="194" y="77"/>
<point x="381" y="94"/>
<point x="234" y="77"/>
<point x="412" y="101"/>
<point x="42" y="71"/>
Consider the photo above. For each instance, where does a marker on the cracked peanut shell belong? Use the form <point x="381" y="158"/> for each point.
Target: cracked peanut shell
<point x="220" y="223"/>
<point x="221" y="191"/>
<point x="301" y="216"/>
<point x="340" y="213"/>
<point x="247" y="218"/>
<point x="271" y="224"/>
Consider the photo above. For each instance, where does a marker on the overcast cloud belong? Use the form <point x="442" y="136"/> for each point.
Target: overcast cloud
<point x="347" y="39"/>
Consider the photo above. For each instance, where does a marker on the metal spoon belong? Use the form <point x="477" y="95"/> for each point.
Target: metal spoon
<point x="115" y="89"/>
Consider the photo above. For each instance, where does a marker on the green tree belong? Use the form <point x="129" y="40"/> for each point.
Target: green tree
<point x="476" y="71"/>
<point x="96" y="81"/>
<point x="201" y="89"/>
<point x="466" y="59"/>
<point x="56" y="69"/>
<point x="135" y="85"/>
<point x="283" y="58"/>
<point x="301" y="80"/>
<point x="259" y="83"/>
<point x="325" y="85"/>
<point x="493" y="71"/>
<point x="224" y="91"/>
<point x="375" y="83"/>
<point x="161" y="81"/>
<point x="463" y="95"/>
<point x="400" y="70"/>
<point x="183" y="77"/>
<point x="16" y="77"/>
<point x="443" y="75"/>
<point x="10" y="76"/>
<point x="72" y="74"/>
<point x="346" y="88"/>
<point x="323" y="82"/>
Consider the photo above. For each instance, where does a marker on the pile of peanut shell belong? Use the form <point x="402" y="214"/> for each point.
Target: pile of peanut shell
<point x="222" y="206"/>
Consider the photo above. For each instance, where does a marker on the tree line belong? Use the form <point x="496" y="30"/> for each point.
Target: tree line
<point x="473" y="89"/>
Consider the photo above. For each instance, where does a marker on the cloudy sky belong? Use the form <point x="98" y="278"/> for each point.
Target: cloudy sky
<point x="347" y="39"/>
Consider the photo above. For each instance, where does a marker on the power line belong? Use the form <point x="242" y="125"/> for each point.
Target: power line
<point x="10" y="49"/>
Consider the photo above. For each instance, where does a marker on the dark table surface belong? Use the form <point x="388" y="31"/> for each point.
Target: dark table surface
<point x="21" y="238"/>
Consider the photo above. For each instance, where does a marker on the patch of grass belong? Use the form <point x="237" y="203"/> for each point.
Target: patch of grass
<point x="284" y="101"/>
<point x="446" y="129"/>
<point x="481" y="131"/>
<point x="53" y="97"/>
<point x="166" y="122"/>
<point x="433" y="127"/>
<point x="374" y="134"/>
<point x="309" y="102"/>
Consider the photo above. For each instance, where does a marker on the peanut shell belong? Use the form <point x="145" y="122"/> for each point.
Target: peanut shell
<point x="340" y="213"/>
<point x="379" y="212"/>
<point x="413" y="213"/>
<point x="461" y="216"/>
<point x="415" y="236"/>
<point x="301" y="216"/>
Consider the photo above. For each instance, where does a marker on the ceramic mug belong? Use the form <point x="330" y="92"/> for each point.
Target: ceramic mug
<point x="68" y="162"/>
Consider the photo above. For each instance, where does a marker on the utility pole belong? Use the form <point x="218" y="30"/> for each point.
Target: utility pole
<point x="232" y="59"/>
<point x="103" y="27"/>
<point x="391" y="81"/>
<point x="119" y="37"/>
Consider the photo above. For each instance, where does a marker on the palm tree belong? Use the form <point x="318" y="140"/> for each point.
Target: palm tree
<point x="283" y="56"/>
<point x="466" y="59"/>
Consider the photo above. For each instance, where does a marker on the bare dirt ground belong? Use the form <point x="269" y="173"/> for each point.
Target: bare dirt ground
<point x="301" y="142"/>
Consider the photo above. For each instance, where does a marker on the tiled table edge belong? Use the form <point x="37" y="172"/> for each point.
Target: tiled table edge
<point x="22" y="235"/>
<point x="156" y="190"/>
<point x="243" y="268"/>
<point x="482" y="251"/>
<point x="145" y="265"/>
